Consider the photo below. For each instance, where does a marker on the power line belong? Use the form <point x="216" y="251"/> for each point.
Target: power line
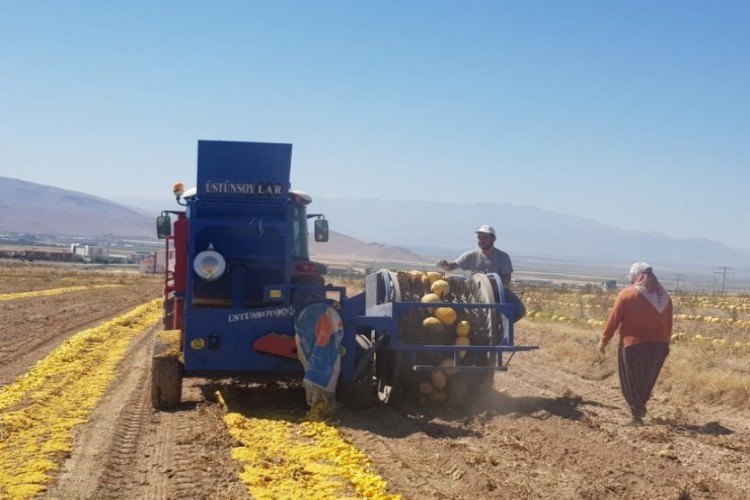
<point x="723" y="271"/>
<point x="677" y="285"/>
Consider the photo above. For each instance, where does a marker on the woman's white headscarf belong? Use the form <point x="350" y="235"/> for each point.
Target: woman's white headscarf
<point x="644" y="280"/>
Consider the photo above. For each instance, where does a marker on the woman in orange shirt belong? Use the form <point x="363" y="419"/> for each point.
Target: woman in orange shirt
<point x="643" y="314"/>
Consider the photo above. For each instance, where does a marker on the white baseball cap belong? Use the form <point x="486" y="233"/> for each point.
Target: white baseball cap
<point x="486" y="229"/>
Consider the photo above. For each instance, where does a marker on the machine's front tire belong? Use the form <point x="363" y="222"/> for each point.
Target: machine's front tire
<point x="308" y="295"/>
<point x="166" y="370"/>
<point x="167" y="319"/>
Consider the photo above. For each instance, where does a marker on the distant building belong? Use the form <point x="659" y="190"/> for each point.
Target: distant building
<point x="31" y="254"/>
<point x="609" y="285"/>
<point x="157" y="262"/>
<point x="89" y="251"/>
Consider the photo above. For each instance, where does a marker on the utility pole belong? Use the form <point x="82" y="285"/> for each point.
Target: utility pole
<point x="724" y="271"/>
<point x="677" y="285"/>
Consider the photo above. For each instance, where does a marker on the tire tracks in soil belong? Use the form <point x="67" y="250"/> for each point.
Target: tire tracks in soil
<point x="129" y="451"/>
<point x="105" y="446"/>
<point x="122" y="457"/>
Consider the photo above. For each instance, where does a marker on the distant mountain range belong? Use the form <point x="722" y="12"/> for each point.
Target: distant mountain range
<point x="401" y="230"/>
<point x="443" y="229"/>
<point x="341" y="245"/>
<point x="40" y="210"/>
<point x="36" y="209"/>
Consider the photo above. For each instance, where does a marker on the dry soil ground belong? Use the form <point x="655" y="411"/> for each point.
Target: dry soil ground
<point x="550" y="430"/>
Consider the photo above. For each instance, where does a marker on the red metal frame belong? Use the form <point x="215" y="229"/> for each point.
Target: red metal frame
<point x="175" y="279"/>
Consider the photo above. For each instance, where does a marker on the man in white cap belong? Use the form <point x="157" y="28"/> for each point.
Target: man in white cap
<point x="488" y="259"/>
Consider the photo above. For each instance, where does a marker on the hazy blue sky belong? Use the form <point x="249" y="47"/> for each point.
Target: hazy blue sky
<point x="632" y="113"/>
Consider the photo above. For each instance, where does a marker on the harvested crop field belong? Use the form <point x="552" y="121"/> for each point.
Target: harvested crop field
<point x="80" y="358"/>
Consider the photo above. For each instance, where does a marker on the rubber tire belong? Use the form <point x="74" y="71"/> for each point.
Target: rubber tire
<point x="166" y="371"/>
<point x="487" y="382"/>
<point x="359" y="394"/>
<point x="306" y="295"/>
<point x="390" y="388"/>
<point x="167" y="319"/>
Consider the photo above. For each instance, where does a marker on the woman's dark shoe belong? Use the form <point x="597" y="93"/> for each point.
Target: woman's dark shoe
<point x="633" y="422"/>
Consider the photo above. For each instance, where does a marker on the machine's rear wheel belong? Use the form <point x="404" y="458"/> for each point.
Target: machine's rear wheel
<point x="359" y="394"/>
<point x="390" y="366"/>
<point x="166" y="370"/>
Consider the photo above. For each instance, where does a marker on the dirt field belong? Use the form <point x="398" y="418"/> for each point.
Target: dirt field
<point x="550" y="430"/>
